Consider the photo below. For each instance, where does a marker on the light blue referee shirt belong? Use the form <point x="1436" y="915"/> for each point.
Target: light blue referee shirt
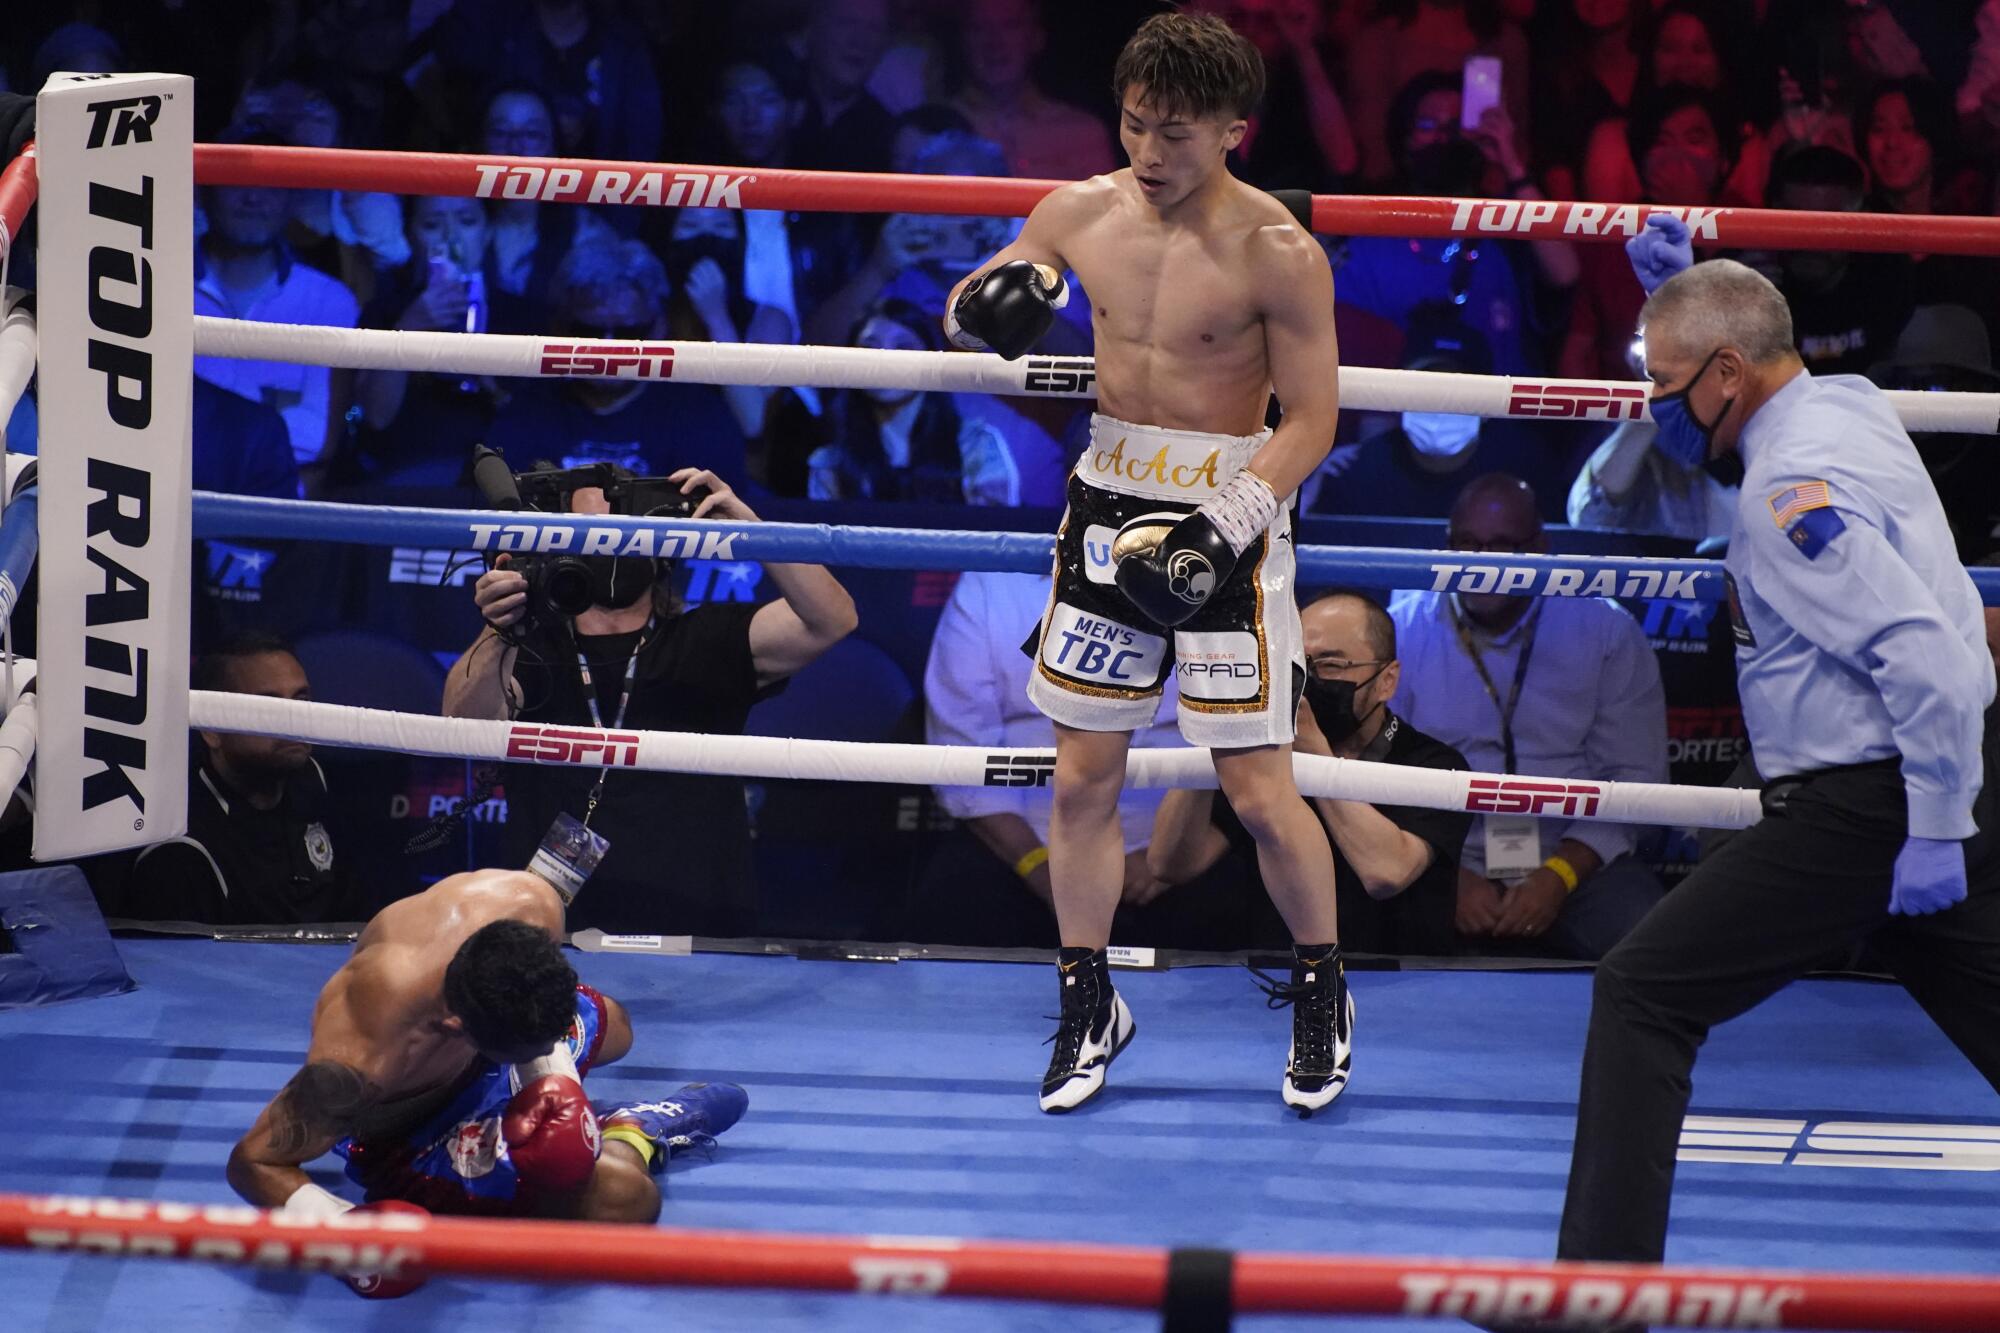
<point x="1858" y="632"/>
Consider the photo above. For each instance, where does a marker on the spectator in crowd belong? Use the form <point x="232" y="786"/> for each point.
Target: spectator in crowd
<point x="923" y="128"/>
<point x="919" y="56"/>
<point x="1684" y="55"/>
<point x="77" y="48"/>
<point x="1391" y="276"/>
<point x="679" y="854"/>
<point x="589" y="58"/>
<point x="257" y="850"/>
<point x="1415" y="463"/>
<point x="706" y="258"/>
<point x="1395" y="867"/>
<point x="1685" y="141"/>
<point x="1409" y="38"/>
<point x="416" y="427"/>
<point x="243" y="270"/>
<point x="1846" y="308"/>
<point x="1587" y="71"/>
<point x="1947" y="347"/>
<point x="610" y="288"/>
<point x="1041" y="137"/>
<point x="1978" y="99"/>
<point x="918" y="257"/>
<point x="1904" y="130"/>
<point x="844" y="127"/>
<point x="990" y="885"/>
<point x="353" y="235"/>
<point x="791" y="260"/>
<point x="528" y="239"/>
<point x="1592" y="706"/>
<point x="361" y="50"/>
<point x="1302" y="138"/>
<point x="901" y="444"/>
<point x="240" y="446"/>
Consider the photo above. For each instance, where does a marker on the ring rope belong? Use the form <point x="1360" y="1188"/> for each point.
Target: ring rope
<point x="1362" y="388"/>
<point x="18" y="187"/>
<point x="1583" y="1295"/>
<point x="859" y="547"/>
<point x="669" y="185"/>
<point x="17" y="347"/>
<point x="949" y="765"/>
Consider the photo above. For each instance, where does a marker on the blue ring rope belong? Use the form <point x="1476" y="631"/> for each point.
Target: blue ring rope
<point x="923" y="548"/>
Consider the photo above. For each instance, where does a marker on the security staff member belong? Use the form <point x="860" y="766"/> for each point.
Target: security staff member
<point x="1866" y="688"/>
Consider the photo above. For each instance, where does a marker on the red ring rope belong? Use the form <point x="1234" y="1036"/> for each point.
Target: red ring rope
<point x="576" y="180"/>
<point x="18" y="187"/>
<point x="1586" y="1295"/>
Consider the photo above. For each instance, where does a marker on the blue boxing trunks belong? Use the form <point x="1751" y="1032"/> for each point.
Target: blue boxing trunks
<point x="456" y="1161"/>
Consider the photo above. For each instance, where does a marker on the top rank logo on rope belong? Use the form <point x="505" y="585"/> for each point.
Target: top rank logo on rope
<point x="657" y="189"/>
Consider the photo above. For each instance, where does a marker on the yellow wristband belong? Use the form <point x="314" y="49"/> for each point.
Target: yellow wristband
<point x="1031" y="860"/>
<point x="1565" y="872"/>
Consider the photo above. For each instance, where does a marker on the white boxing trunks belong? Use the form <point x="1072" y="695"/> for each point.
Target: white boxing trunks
<point x="1100" y="664"/>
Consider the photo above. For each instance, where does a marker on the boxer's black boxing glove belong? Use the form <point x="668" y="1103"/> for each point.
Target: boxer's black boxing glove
<point x="1006" y="309"/>
<point x="1169" y="573"/>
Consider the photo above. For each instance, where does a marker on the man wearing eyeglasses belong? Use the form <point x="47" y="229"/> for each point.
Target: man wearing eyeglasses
<point x="1395" y="867"/>
<point x="1562" y="687"/>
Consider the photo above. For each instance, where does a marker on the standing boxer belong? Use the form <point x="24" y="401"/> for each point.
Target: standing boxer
<point x="1176" y="551"/>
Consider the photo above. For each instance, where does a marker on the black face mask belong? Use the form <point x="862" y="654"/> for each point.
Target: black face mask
<point x="1332" y="704"/>
<point x="1454" y="167"/>
<point x="620" y="580"/>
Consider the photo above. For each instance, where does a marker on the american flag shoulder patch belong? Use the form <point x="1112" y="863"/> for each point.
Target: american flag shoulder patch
<point x="1788" y="504"/>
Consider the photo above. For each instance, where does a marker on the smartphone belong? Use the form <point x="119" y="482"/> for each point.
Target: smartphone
<point x="1482" y="90"/>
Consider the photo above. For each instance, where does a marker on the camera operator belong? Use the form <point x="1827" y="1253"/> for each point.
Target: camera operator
<point x="679" y="854"/>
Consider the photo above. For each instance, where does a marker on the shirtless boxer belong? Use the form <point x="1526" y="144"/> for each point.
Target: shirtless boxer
<point x="1176" y="551"/>
<point x="446" y="1066"/>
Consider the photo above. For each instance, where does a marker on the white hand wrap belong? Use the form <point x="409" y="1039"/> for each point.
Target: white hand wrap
<point x="557" y="1061"/>
<point x="1242" y="509"/>
<point x="310" y="1200"/>
<point x="958" y="337"/>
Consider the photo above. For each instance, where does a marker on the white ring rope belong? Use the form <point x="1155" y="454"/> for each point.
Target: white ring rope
<point x="17" y="353"/>
<point x="950" y="765"/>
<point x="1362" y="388"/>
<point x="18" y="734"/>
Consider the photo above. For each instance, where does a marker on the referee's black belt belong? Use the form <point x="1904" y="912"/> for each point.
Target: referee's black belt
<point x="1776" y="792"/>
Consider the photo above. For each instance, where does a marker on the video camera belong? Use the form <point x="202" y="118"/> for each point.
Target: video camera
<point x="561" y="586"/>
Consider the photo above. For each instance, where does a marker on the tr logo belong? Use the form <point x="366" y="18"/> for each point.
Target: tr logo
<point x="134" y="123"/>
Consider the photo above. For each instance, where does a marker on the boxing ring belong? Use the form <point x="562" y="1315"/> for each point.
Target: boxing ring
<point x="1840" y="1149"/>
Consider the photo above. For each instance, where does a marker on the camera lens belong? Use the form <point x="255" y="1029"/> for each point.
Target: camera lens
<point x="568" y="587"/>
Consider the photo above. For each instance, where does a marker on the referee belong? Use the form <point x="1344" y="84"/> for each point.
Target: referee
<point x="1866" y="687"/>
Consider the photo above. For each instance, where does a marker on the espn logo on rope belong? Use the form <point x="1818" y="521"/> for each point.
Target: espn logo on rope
<point x="558" y="745"/>
<point x="1530" y="796"/>
<point x="1020" y="770"/>
<point x="1577" y="402"/>
<point x="656" y="189"/>
<point x="1063" y="375"/>
<point x="128" y="119"/>
<point x="610" y="361"/>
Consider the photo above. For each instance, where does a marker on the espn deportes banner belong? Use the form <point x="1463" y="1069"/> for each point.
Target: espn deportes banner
<point x="116" y="293"/>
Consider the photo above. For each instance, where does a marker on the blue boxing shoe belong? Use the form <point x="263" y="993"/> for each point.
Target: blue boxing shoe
<point x="691" y="1118"/>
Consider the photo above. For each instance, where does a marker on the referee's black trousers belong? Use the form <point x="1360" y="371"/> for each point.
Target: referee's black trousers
<point x="1796" y="891"/>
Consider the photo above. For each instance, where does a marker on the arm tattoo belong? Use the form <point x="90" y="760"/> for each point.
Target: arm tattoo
<point x="321" y="1102"/>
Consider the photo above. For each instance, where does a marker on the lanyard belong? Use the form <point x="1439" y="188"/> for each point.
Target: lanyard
<point x="1520" y="674"/>
<point x="597" y="717"/>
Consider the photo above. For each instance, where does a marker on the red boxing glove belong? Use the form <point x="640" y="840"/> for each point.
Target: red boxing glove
<point x="380" y="1286"/>
<point x="551" y="1133"/>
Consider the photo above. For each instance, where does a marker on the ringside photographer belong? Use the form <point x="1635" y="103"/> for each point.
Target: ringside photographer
<point x="604" y="641"/>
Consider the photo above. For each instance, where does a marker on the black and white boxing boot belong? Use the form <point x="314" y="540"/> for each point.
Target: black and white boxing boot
<point x="1095" y="1027"/>
<point x="1322" y="1050"/>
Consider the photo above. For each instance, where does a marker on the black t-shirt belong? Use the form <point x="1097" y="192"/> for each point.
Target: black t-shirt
<point x="1417" y="921"/>
<point x="1851" y="326"/>
<point x="238" y="865"/>
<point x="656" y="432"/>
<point x="679" y="860"/>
